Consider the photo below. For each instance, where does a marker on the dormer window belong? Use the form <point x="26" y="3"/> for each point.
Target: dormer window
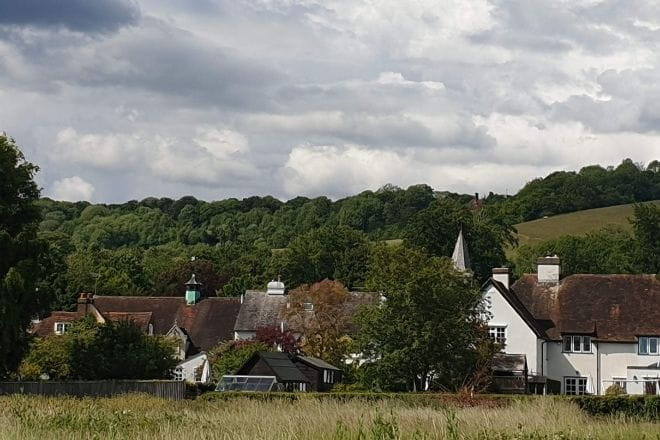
<point x="649" y="345"/>
<point x="62" y="327"/>
<point x="308" y="307"/>
<point x="577" y="344"/>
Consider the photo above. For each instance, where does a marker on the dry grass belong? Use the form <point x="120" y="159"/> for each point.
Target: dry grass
<point x="140" y="417"/>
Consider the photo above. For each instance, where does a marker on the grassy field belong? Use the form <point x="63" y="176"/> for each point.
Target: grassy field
<point x="141" y="417"/>
<point x="575" y="223"/>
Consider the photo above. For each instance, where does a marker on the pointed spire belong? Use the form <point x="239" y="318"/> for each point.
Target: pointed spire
<point x="461" y="257"/>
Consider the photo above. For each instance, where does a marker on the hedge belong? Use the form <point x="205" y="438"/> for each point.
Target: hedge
<point x="647" y="407"/>
<point x="413" y="399"/>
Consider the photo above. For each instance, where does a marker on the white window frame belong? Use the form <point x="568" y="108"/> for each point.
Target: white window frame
<point x="644" y="345"/>
<point x="577" y="385"/>
<point x="308" y="306"/>
<point x="328" y="376"/>
<point x="497" y="333"/>
<point x="576" y="341"/>
<point x="61" y="327"/>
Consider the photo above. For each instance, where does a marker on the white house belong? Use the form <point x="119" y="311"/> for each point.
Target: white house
<point x="585" y="331"/>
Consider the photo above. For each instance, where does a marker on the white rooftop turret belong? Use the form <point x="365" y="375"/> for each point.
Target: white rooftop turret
<point x="276" y="287"/>
<point x="460" y="257"/>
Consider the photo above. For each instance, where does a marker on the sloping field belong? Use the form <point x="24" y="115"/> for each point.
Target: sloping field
<point x="575" y="223"/>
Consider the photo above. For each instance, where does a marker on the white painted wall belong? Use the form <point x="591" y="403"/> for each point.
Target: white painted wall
<point x="520" y="339"/>
<point x="189" y="366"/>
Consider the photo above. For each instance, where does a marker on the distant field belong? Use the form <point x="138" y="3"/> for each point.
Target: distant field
<point x="140" y="417"/>
<point x="575" y="223"/>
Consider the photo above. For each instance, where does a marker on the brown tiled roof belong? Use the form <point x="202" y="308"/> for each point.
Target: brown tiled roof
<point x="208" y="322"/>
<point x="141" y="319"/>
<point x="615" y="308"/>
<point x="46" y="326"/>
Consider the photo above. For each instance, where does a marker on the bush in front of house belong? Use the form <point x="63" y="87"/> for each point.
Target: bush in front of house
<point x="93" y="351"/>
<point x="647" y="407"/>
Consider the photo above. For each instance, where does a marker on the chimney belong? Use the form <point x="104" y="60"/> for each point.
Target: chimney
<point x="502" y="275"/>
<point x="476" y="197"/>
<point x="548" y="269"/>
<point x="83" y="302"/>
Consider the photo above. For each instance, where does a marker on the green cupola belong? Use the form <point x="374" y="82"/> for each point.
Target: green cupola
<point x="193" y="290"/>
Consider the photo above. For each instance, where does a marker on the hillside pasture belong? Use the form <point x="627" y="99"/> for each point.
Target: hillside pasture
<point x="575" y="223"/>
<point x="142" y="417"/>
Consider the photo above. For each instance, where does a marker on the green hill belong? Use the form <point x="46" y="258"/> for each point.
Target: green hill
<point x="575" y="223"/>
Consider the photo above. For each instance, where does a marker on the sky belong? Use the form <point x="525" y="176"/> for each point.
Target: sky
<point x="119" y="99"/>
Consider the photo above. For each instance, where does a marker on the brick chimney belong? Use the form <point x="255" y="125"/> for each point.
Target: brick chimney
<point x="502" y="275"/>
<point x="548" y="269"/>
<point x="84" y="301"/>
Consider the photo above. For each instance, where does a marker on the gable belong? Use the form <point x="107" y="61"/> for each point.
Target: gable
<point x="505" y="308"/>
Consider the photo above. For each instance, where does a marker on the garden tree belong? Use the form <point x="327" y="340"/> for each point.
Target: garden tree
<point x="646" y="224"/>
<point x="608" y="250"/>
<point x="334" y="252"/>
<point x="428" y="328"/>
<point x="93" y="351"/>
<point x="227" y="357"/>
<point x="19" y="252"/>
<point x="435" y="229"/>
<point x="323" y="314"/>
<point x="274" y="337"/>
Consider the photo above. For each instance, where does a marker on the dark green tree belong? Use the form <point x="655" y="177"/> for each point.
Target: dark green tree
<point x="428" y="328"/>
<point x="19" y="252"/>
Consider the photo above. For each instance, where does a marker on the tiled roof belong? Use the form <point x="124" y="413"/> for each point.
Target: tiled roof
<point x="260" y="310"/>
<point x="208" y="322"/>
<point x="614" y="308"/>
<point x="141" y="319"/>
<point x="46" y="326"/>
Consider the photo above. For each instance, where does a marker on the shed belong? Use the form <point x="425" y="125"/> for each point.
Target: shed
<point x="509" y="373"/>
<point x="322" y="376"/>
<point x="280" y="365"/>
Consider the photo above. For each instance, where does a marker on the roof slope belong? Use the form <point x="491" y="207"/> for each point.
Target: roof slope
<point x="280" y="363"/>
<point x="316" y="362"/>
<point x="614" y="308"/>
<point x="260" y="310"/>
<point x="208" y="322"/>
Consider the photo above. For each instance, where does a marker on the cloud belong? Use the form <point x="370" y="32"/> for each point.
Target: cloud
<point x="72" y="189"/>
<point x="78" y="15"/>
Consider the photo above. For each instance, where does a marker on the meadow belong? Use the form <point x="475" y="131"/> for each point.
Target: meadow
<point x="142" y="417"/>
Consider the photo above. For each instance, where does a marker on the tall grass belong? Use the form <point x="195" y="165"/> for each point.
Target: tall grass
<point x="141" y="417"/>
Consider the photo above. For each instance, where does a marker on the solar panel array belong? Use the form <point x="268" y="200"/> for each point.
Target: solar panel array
<point x="246" y="383"/>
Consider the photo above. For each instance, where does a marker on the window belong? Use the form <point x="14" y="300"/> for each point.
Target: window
<point x="62" y="327"/>
<point x="150" y="329"/>
<point x="497" y="334"/>
<point x="577" y="344"/>
<point x="575" y="385"/>
<point x="328" y="376"/>
<point x="178" y="373"/>
<point x="308" y="307"/>
<point x="649" y="344"/>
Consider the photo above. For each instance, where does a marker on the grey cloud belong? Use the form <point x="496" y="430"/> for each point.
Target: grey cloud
<point x="78" y="15"/>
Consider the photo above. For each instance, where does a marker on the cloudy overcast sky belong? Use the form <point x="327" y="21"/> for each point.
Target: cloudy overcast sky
<point x="119" y="100"/>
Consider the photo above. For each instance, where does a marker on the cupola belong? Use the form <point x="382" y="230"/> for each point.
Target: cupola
<point x="193" y="290"/>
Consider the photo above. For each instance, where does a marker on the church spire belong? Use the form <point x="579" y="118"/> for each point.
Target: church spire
<point x="460" y="257"/>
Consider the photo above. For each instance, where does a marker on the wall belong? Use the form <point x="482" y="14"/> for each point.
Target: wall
<point x="190" y="365"/>
<point x="520" y="339"/>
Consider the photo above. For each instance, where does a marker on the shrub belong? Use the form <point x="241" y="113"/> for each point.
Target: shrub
<point x="646" y="407"/>
<point x="615" y="390"/>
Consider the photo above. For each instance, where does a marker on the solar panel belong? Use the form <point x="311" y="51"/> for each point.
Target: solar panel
<point x="246" y="383"/>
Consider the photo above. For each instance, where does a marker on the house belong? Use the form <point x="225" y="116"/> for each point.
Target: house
<point x="290" y="372"/>
<point x="197" y="323"/>
<point x="585" y="332"/>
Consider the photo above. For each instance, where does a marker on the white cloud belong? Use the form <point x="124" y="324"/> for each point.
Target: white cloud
<point x="72" y="189"/>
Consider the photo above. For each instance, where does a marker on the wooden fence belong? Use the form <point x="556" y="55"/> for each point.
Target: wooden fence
<point x="168" y="389"/>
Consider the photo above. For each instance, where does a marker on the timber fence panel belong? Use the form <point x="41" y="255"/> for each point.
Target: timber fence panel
<point x="167" y="389"/>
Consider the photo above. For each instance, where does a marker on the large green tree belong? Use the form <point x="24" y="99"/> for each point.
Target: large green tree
<point x="429" y="327"/>
<point x="19" y="252"/>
